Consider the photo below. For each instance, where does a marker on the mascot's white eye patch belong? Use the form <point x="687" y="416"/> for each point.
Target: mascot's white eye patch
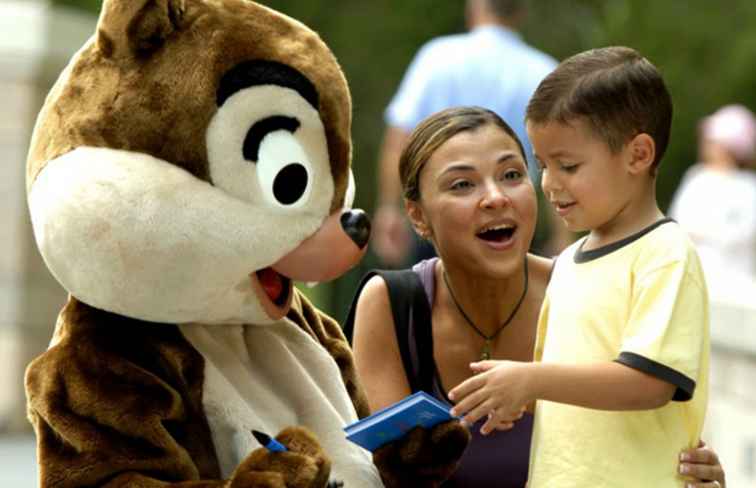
<point x="283" y="167"/>
<point x="267" y="144"/>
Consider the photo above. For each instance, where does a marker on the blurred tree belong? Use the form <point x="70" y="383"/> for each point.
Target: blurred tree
<point x="89" y="5"/>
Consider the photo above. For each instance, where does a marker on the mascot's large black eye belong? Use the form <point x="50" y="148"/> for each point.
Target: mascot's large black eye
<point x="290" y="183"/>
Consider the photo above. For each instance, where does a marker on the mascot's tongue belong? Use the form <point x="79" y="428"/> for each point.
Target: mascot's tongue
<point x="271" y="282"/>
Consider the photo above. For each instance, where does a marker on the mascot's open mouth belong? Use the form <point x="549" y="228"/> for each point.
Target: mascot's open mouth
<point x="274" y="291"/>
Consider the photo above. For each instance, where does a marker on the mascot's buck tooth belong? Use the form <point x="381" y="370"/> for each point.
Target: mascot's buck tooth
<point x="190" y="162"/>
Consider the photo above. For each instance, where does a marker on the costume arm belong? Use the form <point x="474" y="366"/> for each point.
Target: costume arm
<point x="102" y="419"/>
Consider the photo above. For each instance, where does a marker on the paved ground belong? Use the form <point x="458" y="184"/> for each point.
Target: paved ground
<point x="17" y="462"/>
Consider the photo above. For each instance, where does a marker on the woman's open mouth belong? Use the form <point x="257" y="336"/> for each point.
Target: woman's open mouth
<point x="274" y="291"/>
<point x="498" y="235"/>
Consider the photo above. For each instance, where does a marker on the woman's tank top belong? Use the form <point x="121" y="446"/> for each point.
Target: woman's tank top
<point x="499" y="459"/>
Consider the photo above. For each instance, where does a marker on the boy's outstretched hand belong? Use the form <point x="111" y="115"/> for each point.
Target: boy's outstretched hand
<point x="499" y="390"/>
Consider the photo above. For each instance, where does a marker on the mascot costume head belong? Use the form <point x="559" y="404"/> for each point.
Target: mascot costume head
<point x="190" y="162"/>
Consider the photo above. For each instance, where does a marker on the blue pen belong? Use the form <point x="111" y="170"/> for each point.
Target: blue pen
<point x="268" y="442"/>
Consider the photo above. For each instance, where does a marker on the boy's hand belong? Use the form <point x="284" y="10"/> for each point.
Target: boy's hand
<point x="499" y="390"/>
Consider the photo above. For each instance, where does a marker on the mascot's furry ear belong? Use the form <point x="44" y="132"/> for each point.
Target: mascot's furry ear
<point x="136" y="28"/>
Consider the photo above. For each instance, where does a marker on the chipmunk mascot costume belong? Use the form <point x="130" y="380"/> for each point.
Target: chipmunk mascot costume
<point x="190" y="162"/>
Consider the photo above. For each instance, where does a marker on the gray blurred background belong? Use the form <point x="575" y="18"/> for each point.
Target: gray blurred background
<point x="706" y="51"/>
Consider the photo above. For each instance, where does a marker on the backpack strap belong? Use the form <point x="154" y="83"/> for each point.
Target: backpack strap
<point x="412" y="322"/>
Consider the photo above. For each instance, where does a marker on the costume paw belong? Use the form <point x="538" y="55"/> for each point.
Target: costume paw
<point x="423" y="457"/>
<point x="304" y="465"/>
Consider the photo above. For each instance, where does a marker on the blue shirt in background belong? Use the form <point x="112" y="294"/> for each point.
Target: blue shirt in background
<point x="491" y="67"/>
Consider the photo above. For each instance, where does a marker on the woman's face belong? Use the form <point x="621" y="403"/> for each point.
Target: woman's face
<point x="477" y="203"/>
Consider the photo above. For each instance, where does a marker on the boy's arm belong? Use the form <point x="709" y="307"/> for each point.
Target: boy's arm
<point x="602" y="386"/>
<point x="502" y="387"/>
<point x="663" y="352"/>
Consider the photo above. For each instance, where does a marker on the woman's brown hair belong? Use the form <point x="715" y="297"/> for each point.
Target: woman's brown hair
<point x="435" y="130"/>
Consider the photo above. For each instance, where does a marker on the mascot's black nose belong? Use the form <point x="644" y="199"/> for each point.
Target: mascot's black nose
<point x="357" y="226"/>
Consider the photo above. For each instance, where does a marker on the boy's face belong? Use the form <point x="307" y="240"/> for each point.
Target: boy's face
<point x="588" y="185"/>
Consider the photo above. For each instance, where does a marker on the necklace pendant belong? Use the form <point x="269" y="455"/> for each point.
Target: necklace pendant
<point x="485" y="354"/>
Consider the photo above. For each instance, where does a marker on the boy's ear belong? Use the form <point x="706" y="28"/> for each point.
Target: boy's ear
<point x="641" y="152"/>
<point x="417" y="219"/>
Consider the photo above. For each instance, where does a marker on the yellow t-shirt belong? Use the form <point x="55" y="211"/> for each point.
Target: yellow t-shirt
<point x="642" y="302"/>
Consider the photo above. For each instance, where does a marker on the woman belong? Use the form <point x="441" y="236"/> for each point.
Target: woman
<point x="466" y="188"/>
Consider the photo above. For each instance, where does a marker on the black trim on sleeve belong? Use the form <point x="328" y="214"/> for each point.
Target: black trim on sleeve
<point x="685" y="386"/>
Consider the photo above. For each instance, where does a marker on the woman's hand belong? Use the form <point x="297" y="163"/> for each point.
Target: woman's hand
<point x="498" y="391"/>
<point x="702" y="463"/>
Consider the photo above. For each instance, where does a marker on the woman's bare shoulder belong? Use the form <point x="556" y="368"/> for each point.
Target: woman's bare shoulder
<point x="540" y="269"/>
<point x="373" y="314"/>
<point x="375" y="292"/>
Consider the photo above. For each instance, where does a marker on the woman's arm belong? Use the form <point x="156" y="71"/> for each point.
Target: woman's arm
<point x="376" y="350"/>
<point x="423" y="457"/>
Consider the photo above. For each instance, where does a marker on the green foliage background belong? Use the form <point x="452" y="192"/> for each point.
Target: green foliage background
<point x="706" y="51"/>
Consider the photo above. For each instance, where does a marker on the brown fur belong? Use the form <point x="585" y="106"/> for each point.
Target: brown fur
<point x="424" y="458"/>
<point x="117" y="97"/>
<point x="116" y="398"/>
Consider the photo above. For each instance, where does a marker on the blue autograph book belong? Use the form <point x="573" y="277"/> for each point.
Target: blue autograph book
<point x="394" y="421"/>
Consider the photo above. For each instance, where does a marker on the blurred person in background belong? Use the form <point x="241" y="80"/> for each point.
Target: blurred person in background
<point x="490" y="66"/>
<point x="716" y="202"/>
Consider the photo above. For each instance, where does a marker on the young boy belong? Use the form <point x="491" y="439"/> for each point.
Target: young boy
<point x="623" y="336"/>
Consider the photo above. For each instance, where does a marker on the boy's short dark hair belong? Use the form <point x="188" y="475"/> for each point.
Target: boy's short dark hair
<point x="618" y="91"/>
